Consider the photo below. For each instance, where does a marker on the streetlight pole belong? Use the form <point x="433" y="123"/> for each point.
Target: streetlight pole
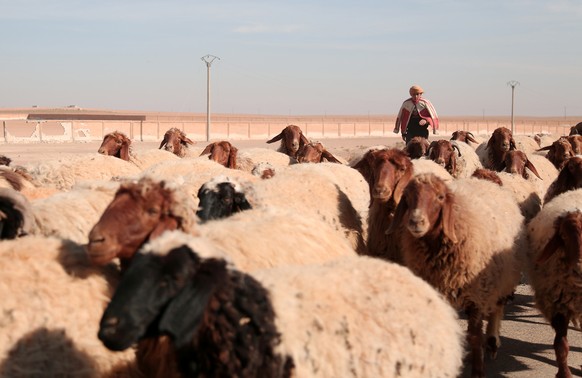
<point x="512" y="84"/>
<point x="208" y="59"/>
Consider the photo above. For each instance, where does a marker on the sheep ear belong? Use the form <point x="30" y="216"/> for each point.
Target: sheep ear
<point x="448" y="219"/>
<point x="546" y="148"/>
<point x="186" y="311"/>
<point x="303" y="139"/>
<point x="531" y="167"/>
<point x="401" y="184"/>
<point x="208" y="149"/>
<point x="401" y="210"/>
<point x="163" y="142"/>
<point x="166" y="223"/>
<point x="551" y="247"/>
<point x="276" y="138"/>
<point x="327" y="155"/>
<point x="232" y="157"/>
<point x="512" y="144"/>
<point x="188" y="140"/>
<point x="124" y="151"/>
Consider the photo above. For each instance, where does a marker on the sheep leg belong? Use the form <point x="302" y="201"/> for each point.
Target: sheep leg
<point x="493" y="327"/>
<point x="561" y="347"/>
<point x="475" y="341"/>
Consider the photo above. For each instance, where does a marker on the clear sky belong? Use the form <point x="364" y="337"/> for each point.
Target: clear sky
<point x="301" y="57"/>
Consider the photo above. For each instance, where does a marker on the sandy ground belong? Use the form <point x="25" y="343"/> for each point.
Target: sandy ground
<point x="526" y="349"/>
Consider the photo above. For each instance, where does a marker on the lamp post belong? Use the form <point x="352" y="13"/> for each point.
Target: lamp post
<point x="512" y="84"/>
<point x="208" y="59"/>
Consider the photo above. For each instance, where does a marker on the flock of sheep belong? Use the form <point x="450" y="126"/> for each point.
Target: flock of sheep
<point x="219" y="261"/>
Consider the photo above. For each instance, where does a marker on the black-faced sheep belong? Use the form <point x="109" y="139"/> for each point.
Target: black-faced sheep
<point x="555" y="271"/>
<point x="474" y="264"/>
<point x="52" y="301"/>
<point x="299" y="321"/>
<point x="177" y="142"/>
<point x="492" y="153"/>
<point x="292" y="139"/>
<point x="222" y="152"/>
<point x="315" y="152"/>
<point x="220" y="198"/>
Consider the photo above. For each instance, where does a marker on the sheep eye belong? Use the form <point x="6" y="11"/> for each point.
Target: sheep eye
<point x="441" y="197"/>
<point x="153" y="211"/>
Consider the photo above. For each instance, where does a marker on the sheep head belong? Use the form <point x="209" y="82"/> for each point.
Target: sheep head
<point x="220" y="198"/>
<point x="291" y="138"/>
<point x="115" y="144"/>
<point x="463" y="136"/>
<point x="417" y="147"/>
<point x="176" y="142"/>
<point x="387" y="172"/>
<point x="576" y="142"/>
<point x="569" y="178"/>
<point x="498" y="144"/>
<point x="426" y="209"/>
<point x="442" y="152"/>
<point x="575" y="130"/>
<point x="223" y="152"/>
<point x="516" y="162"/>
<point x="139" y="211"/>
<point x="567" y="237"/>
<point x="559" y="152"/>
<point x="145" y="289"/>
<point x="315" y="152"/>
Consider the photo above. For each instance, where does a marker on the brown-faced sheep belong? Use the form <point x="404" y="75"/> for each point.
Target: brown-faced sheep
<point x="558" y="152"/>
<point x="117" y="144"/>
<point x="516" y="162"/>
<point x="555" y="271"/>
<point x="387" y="172"/>
<point x="464" y="136"/>
<point x="315" y="152"/>
<point x="292" y="139"/>
<point x="492" y="153"/>
<point x="576" y="142"/>
<point x="177" y="142"/>
<point x="577" y="129"/>
<point x="569" y="178"/>
<point x="222" y="152"/>
<point x="287" y="321"/>
<point x="52" y="301"/>
<point x="474" y="264"/>
<point x="417" y="147"/>
<point x="442" y="152"/>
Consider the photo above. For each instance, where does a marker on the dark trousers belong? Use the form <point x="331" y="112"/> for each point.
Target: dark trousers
<point x="414" y="129"/>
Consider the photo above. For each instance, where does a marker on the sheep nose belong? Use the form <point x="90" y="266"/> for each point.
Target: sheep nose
<point x="101" y="151"/>
<point x="382" y="191"/>
<point x="416" y="218"/>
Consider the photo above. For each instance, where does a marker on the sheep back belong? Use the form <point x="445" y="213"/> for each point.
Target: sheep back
<point x="467" y="161"/>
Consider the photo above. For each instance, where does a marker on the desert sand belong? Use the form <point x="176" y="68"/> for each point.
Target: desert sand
<point x="526" y="338"/>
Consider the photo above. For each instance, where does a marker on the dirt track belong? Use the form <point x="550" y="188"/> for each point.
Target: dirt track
<point x="526" y="349"/>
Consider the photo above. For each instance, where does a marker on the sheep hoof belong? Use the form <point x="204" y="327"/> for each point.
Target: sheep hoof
<point x="492" y="347"/>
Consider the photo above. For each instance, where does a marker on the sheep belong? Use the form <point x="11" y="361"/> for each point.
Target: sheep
<point x="19" y="179"/>
<point x="417" y="147"/>
<point x="576" y="142"/>
<point x="554" y="268"/>
<point x="249" y="158"/>
<point x="64" y="173"/>
<point x="177" y="142"/>
<point x="569" y="178"/>
<point x="474" y="264"/>
<point x="52" y="301"/>
<point x="467" y="162"/>
<point x="335" y="193"/>
<point x="264" y="170"/>
<point x="222" y="152"/>
<point x="464" y="136"/>
<point x="577" y="129"/>
<point x="526" y="143"/>
<point x="558" y="152"/>
<point x="148" y="207"/>
<point x="299" y="321"/>
<point x="67" y="215"/>
<point x="221" y="197"/>
<point x="16" y="218"/>
<point x="492" y="153"/>
<point x="516" y="162"/>
<point x="442" y="152"/>
<point x="544" y="140"/>
<point x="292" y="139"/>
<point x="315" y="152"/>
<point x="117" y="144"/>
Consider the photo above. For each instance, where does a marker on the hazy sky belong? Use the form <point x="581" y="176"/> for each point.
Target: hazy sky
<point x="293" y="57"/>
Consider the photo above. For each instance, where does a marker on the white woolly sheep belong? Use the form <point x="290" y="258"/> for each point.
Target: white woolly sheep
<point x="65" y="172"/>
<point x="19" y="179"/>
<point x="554" y="268"/>
<point x="249" y="158"/>
<point x="467" y="161"/>
<point x="302" y="321"/>
<point x="474" y="264"/>
<point x="52" y="301"/>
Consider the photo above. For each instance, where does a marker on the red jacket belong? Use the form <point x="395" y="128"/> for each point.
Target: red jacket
<point x="425" y="109"/>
